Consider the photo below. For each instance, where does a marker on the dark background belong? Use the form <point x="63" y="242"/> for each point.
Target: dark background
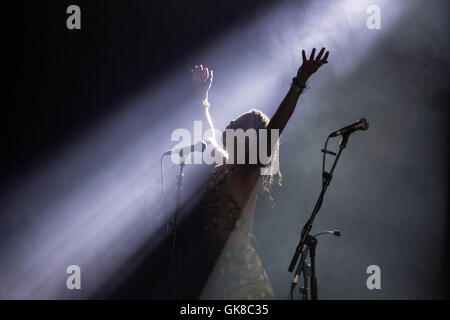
<point x="64" y="81"/>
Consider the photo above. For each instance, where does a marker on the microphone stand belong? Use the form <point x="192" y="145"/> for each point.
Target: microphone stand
<point x="309" y="270"/>
<point x="311" y="242"/>
<point x="304" y="267"/>
<point x="174" y="263"/>
<point x="174" y="254"/>
<point x="306" y="238"/>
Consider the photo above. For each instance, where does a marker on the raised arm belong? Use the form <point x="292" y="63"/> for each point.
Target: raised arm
<point x="287" y="106"/>
<point x="202" y="79"/>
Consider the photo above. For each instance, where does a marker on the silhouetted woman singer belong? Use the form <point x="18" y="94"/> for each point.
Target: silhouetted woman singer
<point x="229" y="203"/>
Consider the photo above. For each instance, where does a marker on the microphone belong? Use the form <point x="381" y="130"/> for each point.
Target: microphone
<point x="361" y="124"/>
<point x="183" y="152"/>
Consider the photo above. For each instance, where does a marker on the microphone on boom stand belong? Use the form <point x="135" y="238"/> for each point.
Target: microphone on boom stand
<point x="305" y="238"/>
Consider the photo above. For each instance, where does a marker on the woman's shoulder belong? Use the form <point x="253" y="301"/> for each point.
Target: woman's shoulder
<point x="219" y="168"/>
<point x="218" y="173"/>
<point x="224" y="169"/>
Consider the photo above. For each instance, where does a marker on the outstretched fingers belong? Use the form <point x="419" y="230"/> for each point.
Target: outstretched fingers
<point x="320" y="58"/>
<point x="313" y="52"/>
<point x="303" y="55"/>
<point x="320" y="55"/>
<point x="325" y="58"/>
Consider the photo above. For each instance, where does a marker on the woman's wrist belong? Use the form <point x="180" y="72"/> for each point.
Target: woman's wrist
<point x="205" y="103"/>
<point x="297" y="85"/>
<point x="299" y="81"/>
<point x="203" y="100"/>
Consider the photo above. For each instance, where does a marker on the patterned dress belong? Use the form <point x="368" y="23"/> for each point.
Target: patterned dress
<point x="237" y="271"/>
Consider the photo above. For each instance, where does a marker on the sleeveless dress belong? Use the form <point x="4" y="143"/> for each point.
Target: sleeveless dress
<point x="237" y="269"/>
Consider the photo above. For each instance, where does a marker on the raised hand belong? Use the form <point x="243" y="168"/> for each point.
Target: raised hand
<point x="202" y="79"/>
<point x="311" y="65"/>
